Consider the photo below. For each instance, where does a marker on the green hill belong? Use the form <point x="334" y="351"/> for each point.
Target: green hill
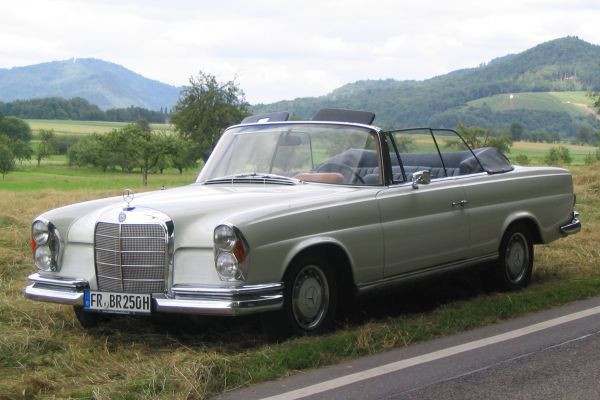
<point x="563" y="65"/>
<point x="576" y="104"/>
<point x="102" y="83"/>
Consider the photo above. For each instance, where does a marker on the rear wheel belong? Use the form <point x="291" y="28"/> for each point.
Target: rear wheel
<point x="515" y="264"/>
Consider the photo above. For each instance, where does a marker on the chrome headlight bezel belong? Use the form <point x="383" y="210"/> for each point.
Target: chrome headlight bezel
<point x="224" y="238"/>
<point x="46" y="245"/>
<point x="231" y="253"/>
<point x="40" y="232"/>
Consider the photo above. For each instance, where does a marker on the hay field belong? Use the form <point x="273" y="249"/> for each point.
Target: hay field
<point x="44" y="353"/>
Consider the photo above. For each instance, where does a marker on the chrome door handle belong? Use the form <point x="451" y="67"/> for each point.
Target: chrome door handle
<point x="461" y="203"/>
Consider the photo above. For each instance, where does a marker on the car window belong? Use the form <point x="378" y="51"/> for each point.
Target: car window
<point x="442" y="152"/>
<point x="414" y="150"/>
<point x="325" y="153"/>
<point x="456" y="155"/>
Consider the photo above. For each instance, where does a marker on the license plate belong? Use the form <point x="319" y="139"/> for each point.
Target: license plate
<point x="121" y="303"/>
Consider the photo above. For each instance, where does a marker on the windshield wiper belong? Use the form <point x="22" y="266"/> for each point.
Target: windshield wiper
<point x="254" y="177"/>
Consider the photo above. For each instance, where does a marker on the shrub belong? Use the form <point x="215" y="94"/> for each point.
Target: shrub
<point x="522" y="159"/>
<point x="558" y="156"/>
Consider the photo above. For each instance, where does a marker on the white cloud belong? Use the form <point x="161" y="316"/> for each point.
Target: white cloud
<point x="282" y="50"/>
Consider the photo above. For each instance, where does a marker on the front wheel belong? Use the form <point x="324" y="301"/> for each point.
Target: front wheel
<point x="310" y="295"/>
<point x="515" y="264"/>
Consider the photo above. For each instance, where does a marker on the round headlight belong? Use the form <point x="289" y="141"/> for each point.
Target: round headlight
<point x="43" y="258"/>
<point x="227" y="266"/>
<point x="224" y="238"/>
<point x="40" y="232"/>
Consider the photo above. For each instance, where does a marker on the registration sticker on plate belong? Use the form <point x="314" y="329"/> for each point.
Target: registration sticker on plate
<point x="129" y="303"/>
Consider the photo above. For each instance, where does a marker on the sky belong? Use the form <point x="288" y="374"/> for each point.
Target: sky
<point x="281" y="50"/>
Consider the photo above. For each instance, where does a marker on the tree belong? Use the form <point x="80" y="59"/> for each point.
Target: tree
<point x="18" y="135"/>
<point x="205" y="108"/>
<point x="120" y="148"/>
<point x="596" y="98"/>
<point x="151" y="146"/>
<point x="184" y="154"/>
<point x="477" y="137"/>
<point x="136" y="146"/>
<point x="584" y="135"/>
<point x="7" y="159"/>
<point x="46" y="146"/>
<point x="15" y="129"/>
<point x="22" y="150"/>
<point x="90" y="151"/>
<point x="516" y="131"/>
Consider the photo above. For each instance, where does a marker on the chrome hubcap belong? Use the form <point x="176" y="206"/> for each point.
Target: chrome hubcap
<point x="310" y="297"/>
<point x="517" y="257"/>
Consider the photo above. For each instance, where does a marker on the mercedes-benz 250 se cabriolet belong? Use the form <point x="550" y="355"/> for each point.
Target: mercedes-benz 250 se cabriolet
<point x="290" y="217"/>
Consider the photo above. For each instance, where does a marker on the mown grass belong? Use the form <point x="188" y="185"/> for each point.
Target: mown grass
<point x="68" y="127"/>
<point x="573" y="103"/>
<point x="55" y="175"/>
<point x="536" y="152"/>
<point x="45" y="354"/>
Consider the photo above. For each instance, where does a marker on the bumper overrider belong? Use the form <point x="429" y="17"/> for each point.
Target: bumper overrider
<point x="200" y="300"/>
<point x="573" y="226"/>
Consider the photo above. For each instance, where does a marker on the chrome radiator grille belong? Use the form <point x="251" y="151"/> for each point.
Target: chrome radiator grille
<point x="131" y="258"/>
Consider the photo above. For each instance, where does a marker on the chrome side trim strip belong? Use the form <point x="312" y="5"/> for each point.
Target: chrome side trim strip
<point x="398" y="279"/>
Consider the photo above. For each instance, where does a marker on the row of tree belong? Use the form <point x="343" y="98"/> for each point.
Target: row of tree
<point x="15" y="137"/>
<point x="133" y="147"/>
<point x="78" y="109"/>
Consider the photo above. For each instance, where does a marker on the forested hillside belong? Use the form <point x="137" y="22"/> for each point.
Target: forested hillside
<point x="77" y="109"/>
<point x="567" y="64"/>
<point x="102" y="83"/>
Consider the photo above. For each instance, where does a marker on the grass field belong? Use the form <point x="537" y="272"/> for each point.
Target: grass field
<point x="536" y="152"/>
<point x="574" y="103"/>
<point x="79" y="128"/>
<point x="55" y="175"/>
<point x="44" y="353"/>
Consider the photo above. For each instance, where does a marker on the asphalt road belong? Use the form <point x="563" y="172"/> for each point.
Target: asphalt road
<point x="554" y="354"/>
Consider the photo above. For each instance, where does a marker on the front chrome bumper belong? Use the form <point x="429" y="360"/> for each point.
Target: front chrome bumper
<point x="573" y="226"/>
<point x="200" y="300"/>
<point x="56" y="290"/>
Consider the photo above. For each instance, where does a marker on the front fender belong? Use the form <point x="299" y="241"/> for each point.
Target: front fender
<point x="304" y="245"/>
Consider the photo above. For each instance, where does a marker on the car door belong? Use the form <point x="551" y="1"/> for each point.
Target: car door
<point x="424" y="225"/>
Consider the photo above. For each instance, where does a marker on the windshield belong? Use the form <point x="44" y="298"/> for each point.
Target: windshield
<point x="326" y="153"/>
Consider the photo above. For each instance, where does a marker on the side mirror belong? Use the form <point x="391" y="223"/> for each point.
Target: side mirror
<point x="421" y="178"/>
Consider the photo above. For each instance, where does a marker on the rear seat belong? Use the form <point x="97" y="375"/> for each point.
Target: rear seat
<point x="436" y="172"/>
<point x="456" y="163"/>
<point x="364" y="171"/>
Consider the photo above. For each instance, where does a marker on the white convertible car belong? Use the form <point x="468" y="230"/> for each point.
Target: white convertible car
<point x="289" y="217"/>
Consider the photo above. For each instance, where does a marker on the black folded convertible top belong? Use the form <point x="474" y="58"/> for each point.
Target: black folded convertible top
<point x="492" y="160"/>
<point x="340" y="115"/>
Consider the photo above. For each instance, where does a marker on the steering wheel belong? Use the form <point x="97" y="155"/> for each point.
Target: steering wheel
<point x="337" y="167"/>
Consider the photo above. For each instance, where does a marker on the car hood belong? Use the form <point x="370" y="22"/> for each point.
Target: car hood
<point x="200" y="207"/>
